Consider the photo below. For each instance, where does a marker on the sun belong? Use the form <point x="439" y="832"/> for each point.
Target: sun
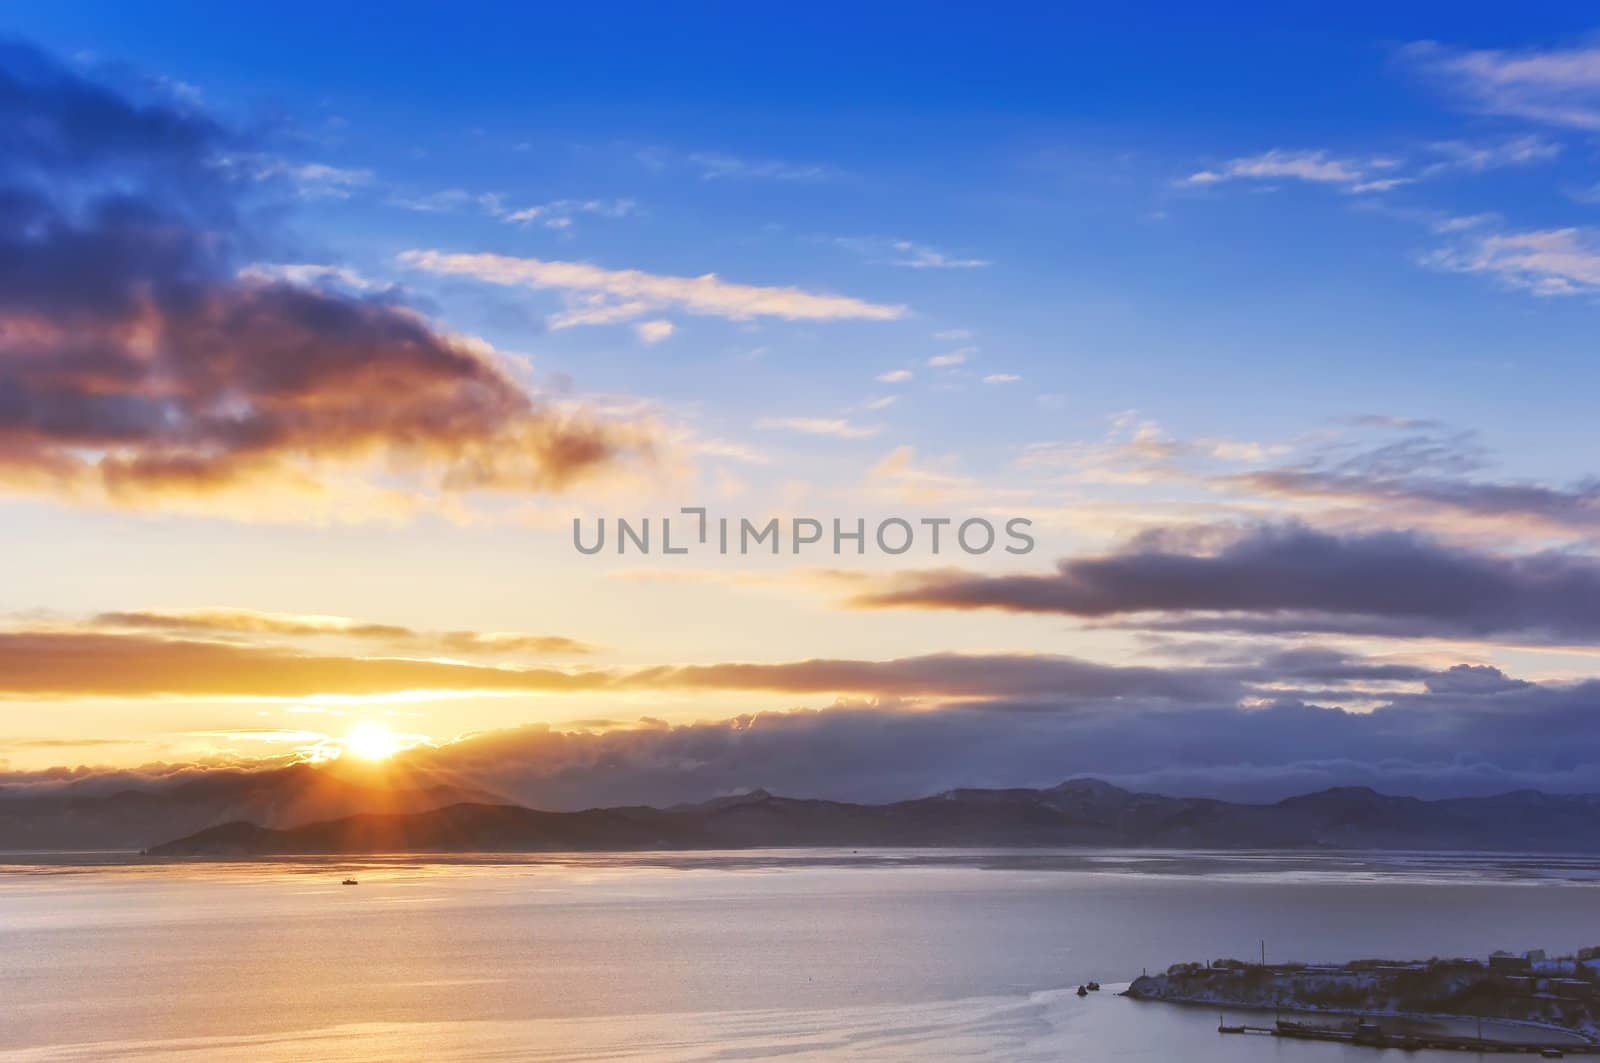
<point x="371" y="740"/>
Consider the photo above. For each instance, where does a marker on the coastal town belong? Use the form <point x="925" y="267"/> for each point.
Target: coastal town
<point x="1529" y="1002"/>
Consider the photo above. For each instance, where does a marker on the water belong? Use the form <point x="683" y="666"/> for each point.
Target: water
<point x="717" y="956"/>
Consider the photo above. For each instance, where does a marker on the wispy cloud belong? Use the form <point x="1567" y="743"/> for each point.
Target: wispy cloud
<point x="894" y="376"/>
<point x="1001" y="378"/>
<point x="653" y="331"/>
<point x="444" y="201"/>
<point x="907" y="480"/>
<point x="251" y="623"/>
<point x="1476" y="158"/>
<point x="956" y="357"/>
<point x="1558" y="87"/>
<point x="717" y="165"/>
<point x="312" y="275"/>
<point x="1316" y="167"/>
<point x="629" y="293"/>
<point x="1545" y="262"/>
<point x="907" y="253"/>
<point x="310" y="180"/>
<point x="836" y="427"/>
<point x="558" y="214"/>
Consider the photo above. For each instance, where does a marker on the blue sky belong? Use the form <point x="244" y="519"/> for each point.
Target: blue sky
<point x="1274" y="293"/>
<point x="1048" y="146"/>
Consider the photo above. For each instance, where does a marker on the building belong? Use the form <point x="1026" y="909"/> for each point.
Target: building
<point x="1505" y="963"/>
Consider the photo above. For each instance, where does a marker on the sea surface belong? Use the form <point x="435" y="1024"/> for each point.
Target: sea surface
<point x="797" y="955"/>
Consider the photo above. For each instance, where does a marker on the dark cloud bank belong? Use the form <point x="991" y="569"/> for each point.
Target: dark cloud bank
<point x="1292" y="578"/>
<point x="1460" y="731"/>
<point x="138" y="358"/>
<point x="1472" y="732"/>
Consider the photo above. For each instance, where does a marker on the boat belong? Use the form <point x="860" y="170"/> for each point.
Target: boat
<point x="1094" y="987"/>
<point x="1083" y="991"/>
<point x="349" y="882"/>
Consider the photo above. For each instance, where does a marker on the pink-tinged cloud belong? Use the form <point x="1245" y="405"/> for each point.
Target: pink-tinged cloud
<point x="138" y="362"/>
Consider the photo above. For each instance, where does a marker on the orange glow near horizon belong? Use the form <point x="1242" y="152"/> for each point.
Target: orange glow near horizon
<point x="371" y="740"/>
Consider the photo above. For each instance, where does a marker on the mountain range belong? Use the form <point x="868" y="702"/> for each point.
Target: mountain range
<point x="1080" y="812"/>
<point x="91" y="814"/>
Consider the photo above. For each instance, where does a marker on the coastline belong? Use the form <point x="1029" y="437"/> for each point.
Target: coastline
<point x="1418" y="1017"/>
<point x="1506" y="999"/>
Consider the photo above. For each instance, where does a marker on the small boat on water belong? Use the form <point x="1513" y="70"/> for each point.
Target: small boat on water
<point x="349" y="882"/>
<point x="1094" y="987"/>
<point x="1083" y="991"/>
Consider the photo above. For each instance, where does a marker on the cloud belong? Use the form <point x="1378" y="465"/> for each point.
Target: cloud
<point x="1477" y="158"/>
<point x="1419" y="473"/>
<point x="249" y="622"/>
<point x="1290" y="578"/>
<point x="653" y="331"/>
<point x="905" y="480"/>
<point x="164" y="663"/>
<point x="1545" y="262"/>
<point x="619" y="295"/>
<point x="444" y="201"/>
<point x="1422" y="493"/>
<point x="718" y="166"/>
<point x="920" y="256"/>
<point x="907" y="254"/>
<point x="837" y="427"/>
<point x="311" y="275"/>
<point x="503" y="642"/>
<point x="1478" y="734"/>
<point x="77" y="664"/>
<point x="952" y="675"/>
<point x="558" y="214"/>
<point x="1230" y="728"/>
<point x="956" y="357"/>
<point x="894" y="376"/>
<point x="312" y="180"/>
<point x="1558" y="87"/>
<point x="1001" y="378"/>
<point x="1316" y="167"/>
<point x="137" y="364"/>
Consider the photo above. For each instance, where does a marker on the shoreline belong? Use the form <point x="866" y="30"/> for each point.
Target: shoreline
<point x="1583" y="1040"/>
<point x="1504" y="999"/>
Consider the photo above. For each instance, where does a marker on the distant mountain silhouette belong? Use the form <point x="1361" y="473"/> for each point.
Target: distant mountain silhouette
<point x="78" y="816"/>
<point x="1082" y="812"/>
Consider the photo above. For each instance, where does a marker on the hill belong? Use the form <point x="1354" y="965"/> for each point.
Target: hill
<point x="1081" y="812"/>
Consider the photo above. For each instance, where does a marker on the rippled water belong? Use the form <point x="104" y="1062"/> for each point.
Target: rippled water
<point x="883" y="955"/>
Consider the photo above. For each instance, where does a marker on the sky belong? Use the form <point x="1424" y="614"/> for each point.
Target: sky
<point x="319" y="331"/>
